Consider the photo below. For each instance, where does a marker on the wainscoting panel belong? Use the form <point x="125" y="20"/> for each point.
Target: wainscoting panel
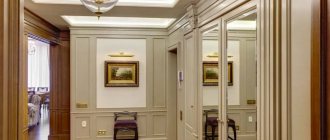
<point x="104" y="123"/>
<point x="159" y="92"/>
<point x="159" y="125"/>
<point x="81" y="131"/>
<point x="251" y="125"/>
<point x="81" y="78"/>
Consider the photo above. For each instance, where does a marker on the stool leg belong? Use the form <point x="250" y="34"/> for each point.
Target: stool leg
<point x="205" y="132"/>
<point x="213" y="132"/>
<point x="136" y="134"/>
<point x="115" y="134"/>
<point x="234" y="133"/>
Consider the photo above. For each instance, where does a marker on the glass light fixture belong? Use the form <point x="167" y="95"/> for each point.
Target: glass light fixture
<point x="99" y="6"/>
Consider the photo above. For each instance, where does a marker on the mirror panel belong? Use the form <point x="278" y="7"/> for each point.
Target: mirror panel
<point x="210" y="77"/>
<point x="242" y="62"/>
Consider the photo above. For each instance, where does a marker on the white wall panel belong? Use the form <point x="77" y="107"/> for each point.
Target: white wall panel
<point x="121" y="97"/>
<point x="301" y="69"/>
<point x="81" y="75"/>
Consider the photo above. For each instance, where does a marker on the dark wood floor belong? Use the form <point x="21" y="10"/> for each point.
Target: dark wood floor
<point x="41" y="131"/>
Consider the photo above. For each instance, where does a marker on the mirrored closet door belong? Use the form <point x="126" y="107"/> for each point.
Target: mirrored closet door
<point x="240" y="66"/>
<point x="209" y="75"/>
<point x="229" y="72"/>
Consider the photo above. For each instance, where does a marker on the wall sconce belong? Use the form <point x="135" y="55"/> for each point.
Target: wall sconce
<point x="216" y="55"/>
<point x="121" y="54"/>
<point x="213" y="55"/>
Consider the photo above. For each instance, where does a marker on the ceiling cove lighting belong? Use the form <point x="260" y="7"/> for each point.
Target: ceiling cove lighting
<point x="133" y="3"/>
<point x="99" y="6"/>
<point x="242" y="25"/>
<point x="135" y="22"/>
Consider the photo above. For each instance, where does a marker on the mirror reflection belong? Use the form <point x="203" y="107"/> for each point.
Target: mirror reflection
<point x="210" y="47"/>
<point x="242" y="73"/>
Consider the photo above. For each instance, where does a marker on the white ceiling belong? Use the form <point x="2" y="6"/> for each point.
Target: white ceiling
<point x="53" y="12"/>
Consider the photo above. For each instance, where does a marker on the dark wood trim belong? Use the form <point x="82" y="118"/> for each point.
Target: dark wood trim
<point x="60" y="83"/>
<point x="11" y="40"/>
<point x="40" y="28"/>
<point x="320" y="80"/>
<point x="3" y="72"/>
<point x="326" y="45"/>
<point x="316" y="74"/>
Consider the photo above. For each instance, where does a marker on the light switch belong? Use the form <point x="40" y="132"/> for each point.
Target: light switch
<point x="250" y="119"/>
<point x="83" y="123"/>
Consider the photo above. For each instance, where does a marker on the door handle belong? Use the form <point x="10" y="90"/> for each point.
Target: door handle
<point x="220" y="120"/>
<point x="181" y="115"/>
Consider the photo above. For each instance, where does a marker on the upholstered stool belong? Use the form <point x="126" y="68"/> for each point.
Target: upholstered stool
<point x="126" y="125"/>
<point x="231" y="124"/>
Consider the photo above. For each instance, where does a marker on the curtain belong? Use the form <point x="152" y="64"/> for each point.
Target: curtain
<point x="38" y="63"/>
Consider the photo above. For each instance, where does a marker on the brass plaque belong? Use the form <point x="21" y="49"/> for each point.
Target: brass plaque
<point x="251" y="102"/>
<point x="81" y="105"/>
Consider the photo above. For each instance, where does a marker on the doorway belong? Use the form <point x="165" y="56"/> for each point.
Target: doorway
<point x="57" y="107"/>
<point x="176" y="95"/>
<point x="38" y="88"/>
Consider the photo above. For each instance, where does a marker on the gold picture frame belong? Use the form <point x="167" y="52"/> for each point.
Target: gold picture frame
<point x="121" y="74"/>
<point x="211" y="75"/>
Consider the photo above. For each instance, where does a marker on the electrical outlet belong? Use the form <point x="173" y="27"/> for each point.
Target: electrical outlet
<point x="101" y="132"/>
<point x="250" y="119"/>
<point x="84" y="124"/>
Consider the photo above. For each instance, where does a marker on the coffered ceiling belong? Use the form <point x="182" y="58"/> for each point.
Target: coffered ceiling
<point x="53" y="10"/>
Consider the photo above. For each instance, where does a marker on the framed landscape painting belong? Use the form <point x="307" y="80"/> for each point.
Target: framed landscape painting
<point x="121" y="74"/>
<point x="211" y="73"/>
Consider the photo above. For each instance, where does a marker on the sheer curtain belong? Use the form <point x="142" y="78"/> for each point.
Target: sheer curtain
<point x="38" y="63"/>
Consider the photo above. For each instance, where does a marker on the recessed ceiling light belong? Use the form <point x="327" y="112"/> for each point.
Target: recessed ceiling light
<point x="136" y="22"/>
<point x="135" y="3"/>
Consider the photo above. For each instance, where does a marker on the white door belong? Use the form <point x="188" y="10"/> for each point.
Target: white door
<point x="190" y="82"/>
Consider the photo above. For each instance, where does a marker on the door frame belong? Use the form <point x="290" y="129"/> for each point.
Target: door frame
<point x="59" y="106"/>
<point x="11" y="48"/>
<point x="320" y="75"/>
<point x="173" y="92"/>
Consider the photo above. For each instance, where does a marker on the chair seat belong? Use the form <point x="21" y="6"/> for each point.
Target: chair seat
<point x="126" y="124"/>
<point x="213" y="121"/>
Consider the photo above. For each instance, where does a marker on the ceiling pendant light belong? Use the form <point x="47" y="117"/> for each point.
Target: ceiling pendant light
<point x="99" y="6"/>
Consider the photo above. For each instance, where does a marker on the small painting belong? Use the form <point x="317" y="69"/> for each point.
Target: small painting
<point x="211" y="73"/>
<point x="121" y="74"/>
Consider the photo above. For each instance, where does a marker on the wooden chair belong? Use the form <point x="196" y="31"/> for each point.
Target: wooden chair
<point x="126" y="124"/>
<point x="45" y="98"/>
<point x="42" y="89"/>
<point x="31" y="88"/>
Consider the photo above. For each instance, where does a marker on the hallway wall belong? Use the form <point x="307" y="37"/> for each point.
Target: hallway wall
<point x="93" y="104"/>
